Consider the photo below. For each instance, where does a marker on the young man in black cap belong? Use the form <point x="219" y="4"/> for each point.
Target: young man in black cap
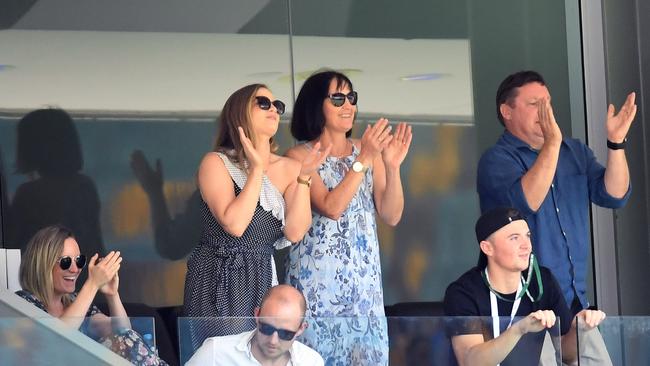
<point x="508" y="283"/>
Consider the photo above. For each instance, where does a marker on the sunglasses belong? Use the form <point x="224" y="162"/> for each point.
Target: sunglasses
<point x="338" y="99"/>
<point x="265" y="104"/>
<point x="268" y="330"/>
<point x="66" y="261"/>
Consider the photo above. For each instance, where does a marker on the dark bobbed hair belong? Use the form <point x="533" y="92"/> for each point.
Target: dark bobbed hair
<point x="48" y="143"/>
<point x="236" y="112"/>
<point x="507" y="91"/>
<point x="308" y="119"/>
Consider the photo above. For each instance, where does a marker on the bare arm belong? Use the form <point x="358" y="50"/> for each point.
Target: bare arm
<point x="234" y="213"/>
<point x="110" y="291"/>
<point x="387" y="183"/>
<point x="99" y="274"/>
<point x="537" y="181"/>
<point x="333" y="203"/>
<point x="297" y="195"/>
<point x="617" y="174"/>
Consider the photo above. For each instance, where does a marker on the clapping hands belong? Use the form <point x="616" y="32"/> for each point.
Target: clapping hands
<point x="253" y="156"/>
<point x="393" y="148"/>
<point x="314" y="159"/>
<point x="103" y="273"/>
<point x="619" y="124"/>
<point x="395" y="151"/>
<point x="547" y="123"/>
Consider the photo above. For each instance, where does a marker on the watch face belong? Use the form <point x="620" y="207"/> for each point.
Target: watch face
<point x="357" y="166"/>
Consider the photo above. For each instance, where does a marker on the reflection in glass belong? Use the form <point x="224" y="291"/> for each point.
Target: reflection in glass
<point x="622" y="340"/>
<point x="152" y="79"/>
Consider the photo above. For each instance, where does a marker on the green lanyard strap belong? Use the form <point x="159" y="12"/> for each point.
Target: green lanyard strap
<point x="533" y="266"/>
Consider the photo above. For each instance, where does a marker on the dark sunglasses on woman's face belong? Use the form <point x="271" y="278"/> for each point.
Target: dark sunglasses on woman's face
<point x="66" y="261"/>
<point x="338" y="99"/>
<point x="265" y="104"/>
<point x="268" y="330"/>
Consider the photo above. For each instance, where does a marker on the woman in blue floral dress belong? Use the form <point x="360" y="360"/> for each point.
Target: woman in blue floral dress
<point x="337" y="264"/>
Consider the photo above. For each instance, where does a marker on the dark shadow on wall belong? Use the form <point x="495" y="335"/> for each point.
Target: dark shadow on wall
<point x="49" y="154"/>
<point x="174" y="238"/>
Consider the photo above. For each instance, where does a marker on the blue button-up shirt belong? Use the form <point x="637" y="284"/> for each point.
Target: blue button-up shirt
<point x="560" y="227"/>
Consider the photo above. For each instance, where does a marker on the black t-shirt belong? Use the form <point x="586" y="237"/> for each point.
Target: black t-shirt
<point x="469" y="296"/>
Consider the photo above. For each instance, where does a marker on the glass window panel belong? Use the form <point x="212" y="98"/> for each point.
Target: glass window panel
<point x="436" y="65"/>
<point x="147" y="76"/>
<point x="624" y="339"/>
<point x="152" y="76"/>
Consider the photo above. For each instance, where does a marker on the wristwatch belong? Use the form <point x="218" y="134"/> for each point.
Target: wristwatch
<point x="306" y="182"/>
<point x="358" y="167"/>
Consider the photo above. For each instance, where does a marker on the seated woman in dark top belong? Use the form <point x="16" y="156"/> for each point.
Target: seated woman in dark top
<point x="48" y="274"/>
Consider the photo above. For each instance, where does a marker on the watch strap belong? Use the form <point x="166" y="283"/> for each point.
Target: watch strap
<point x="306" y="182"/>
<point x="616" y="145"/>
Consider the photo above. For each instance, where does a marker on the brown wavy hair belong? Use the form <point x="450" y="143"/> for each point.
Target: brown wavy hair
<point x="237" y="113"/>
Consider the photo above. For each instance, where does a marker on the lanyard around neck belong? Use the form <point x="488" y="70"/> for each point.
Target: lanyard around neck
<point x="533" y="266"/>
<point x="494" y="307"/>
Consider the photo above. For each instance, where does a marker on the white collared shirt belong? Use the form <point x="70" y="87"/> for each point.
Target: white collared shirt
<point x="236" y="350"/>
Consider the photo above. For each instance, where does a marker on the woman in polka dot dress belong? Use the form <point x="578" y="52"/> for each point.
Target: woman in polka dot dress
<point x="254" y="201"/>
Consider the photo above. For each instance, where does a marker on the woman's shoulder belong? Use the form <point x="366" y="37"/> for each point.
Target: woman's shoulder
<point x="212" y="160"/>
<point x="31" y="299"/>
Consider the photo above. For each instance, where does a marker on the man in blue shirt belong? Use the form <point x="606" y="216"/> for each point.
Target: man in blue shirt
<point x="551" y="179"/>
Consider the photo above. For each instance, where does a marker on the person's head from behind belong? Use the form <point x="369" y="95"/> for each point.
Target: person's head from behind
<point x="280" y="319"/>
<point x="48" y="143"/>
<point x="504" y="240"/>
<point x="517" y="102"/>
<point x="256" y="111"/>
<point x="51" y="264"/>
<point x="327" y="98"/>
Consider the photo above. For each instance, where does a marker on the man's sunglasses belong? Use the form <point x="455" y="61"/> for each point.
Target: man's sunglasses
<point x="268" y="330"/>
<point x="338" y="99"/>
<point x="66" y="261"/>
<point x="265" y="104"/>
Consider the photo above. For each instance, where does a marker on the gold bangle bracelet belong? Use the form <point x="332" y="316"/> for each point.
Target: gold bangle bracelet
<point x="306" y="182"/>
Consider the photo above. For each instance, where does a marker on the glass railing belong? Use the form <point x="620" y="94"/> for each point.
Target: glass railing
<point x="98" y="340"/>
<point x="356" y="340"/>
<point x="344" y="340"/>
<point x="623" y="340"/>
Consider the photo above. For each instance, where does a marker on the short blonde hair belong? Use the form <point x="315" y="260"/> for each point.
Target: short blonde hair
<point x="41" y="255"/>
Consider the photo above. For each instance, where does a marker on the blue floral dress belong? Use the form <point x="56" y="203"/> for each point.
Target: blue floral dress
<point x="337" y="267"/>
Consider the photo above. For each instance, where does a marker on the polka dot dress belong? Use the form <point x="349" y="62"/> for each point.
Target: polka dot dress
<point x="227" y="276"/>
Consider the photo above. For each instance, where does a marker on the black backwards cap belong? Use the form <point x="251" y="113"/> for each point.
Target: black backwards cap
<point x="490" y="222"/>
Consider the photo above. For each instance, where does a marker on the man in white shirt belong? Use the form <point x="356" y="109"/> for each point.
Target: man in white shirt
<point x="280" y="319"/>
